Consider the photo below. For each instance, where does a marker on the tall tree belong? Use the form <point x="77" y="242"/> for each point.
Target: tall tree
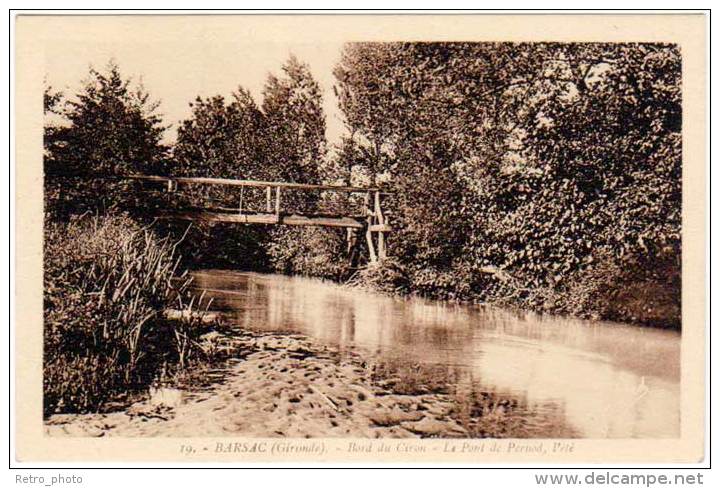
<point x="223" y="140"/>
<point x="295" y="123"/>
<point x="296" y="147"/>
<point x="367" y="98"/>
<point x="111" y="128"/>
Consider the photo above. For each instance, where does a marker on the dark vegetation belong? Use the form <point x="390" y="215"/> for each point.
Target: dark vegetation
<point x="543" y="176"/>
<point x="108" y="282"/>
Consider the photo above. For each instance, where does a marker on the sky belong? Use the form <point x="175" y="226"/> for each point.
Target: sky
<point x="176" y="73"/>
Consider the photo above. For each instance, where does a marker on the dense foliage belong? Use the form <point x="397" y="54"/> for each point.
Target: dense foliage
<point x="107" y="283"/>
<point x="107" y="129"/>
<point x="541" y="174"/>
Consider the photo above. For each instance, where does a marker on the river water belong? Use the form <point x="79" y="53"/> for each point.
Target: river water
<point x="597" y="379"/>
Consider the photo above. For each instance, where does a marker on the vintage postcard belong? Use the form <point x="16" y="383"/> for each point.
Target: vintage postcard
<point x="360" y="238"/>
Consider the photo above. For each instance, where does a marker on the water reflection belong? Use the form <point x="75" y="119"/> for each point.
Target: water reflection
<point x="602" y="379"/>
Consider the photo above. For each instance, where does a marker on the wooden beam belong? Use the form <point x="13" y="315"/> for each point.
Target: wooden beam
<point x="277" y="202"/>
<point x="350" y="238"/>
<point x="378" y="211"/>
<point x="368" y="232"/>
<point x="371" y="246"/>
<point x="265" y="218"/>
<point x="252" y="183"/>
<point x="380" y="228"/>
<point x="380" y="221"/>
<point x="222" y="209"/>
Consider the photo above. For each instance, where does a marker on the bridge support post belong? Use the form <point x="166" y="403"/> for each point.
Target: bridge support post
<point x="381" y="234"/>
<point x="277" y="204"/>
<point x="368" y="232"/>
<point x="350" y="238"/>
<point x="371" y="246"/>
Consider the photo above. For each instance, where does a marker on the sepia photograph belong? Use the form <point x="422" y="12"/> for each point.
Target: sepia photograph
<point x="285" y="238"/>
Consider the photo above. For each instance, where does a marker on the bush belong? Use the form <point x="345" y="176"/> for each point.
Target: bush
<point x="630" y="291"/>
<point x="387" y="276"/>
<point x="107" y="284"/>
<point x="220" y="245"/>
<point x="309" y="251"/>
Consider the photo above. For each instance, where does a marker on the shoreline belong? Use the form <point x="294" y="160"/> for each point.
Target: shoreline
<point x="290" y="385"/>
<point x="511" y="306"/>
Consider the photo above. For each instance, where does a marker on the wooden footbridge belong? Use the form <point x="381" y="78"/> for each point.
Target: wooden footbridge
<point x="371" y="220"/>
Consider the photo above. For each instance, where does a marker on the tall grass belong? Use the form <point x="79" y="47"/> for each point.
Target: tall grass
<point x="108" y="282"/>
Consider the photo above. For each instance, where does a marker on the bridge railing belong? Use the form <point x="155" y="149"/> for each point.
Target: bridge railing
<point x="263" y="196"/>
<point x="194" y="180"/>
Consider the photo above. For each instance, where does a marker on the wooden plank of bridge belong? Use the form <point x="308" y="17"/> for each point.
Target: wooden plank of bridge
<point x="264" y="218"/>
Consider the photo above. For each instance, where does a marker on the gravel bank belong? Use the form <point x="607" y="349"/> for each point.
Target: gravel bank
<point x="286" y="385"/>
<point x="276" y="385"/>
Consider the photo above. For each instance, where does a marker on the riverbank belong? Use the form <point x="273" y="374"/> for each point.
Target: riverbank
<point x="282" y="385"/>
<point x="592" y="294"/>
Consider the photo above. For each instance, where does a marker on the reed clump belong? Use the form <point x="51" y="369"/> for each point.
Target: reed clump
<point x="108" y="282"/>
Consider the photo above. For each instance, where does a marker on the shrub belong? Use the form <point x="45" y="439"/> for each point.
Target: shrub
<point x="630" y="290"/>
<point x="387" y="276"/>
<point x="107" y="283"/>
<point x="220" y="245"/>
<point x="309" y="251"/>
